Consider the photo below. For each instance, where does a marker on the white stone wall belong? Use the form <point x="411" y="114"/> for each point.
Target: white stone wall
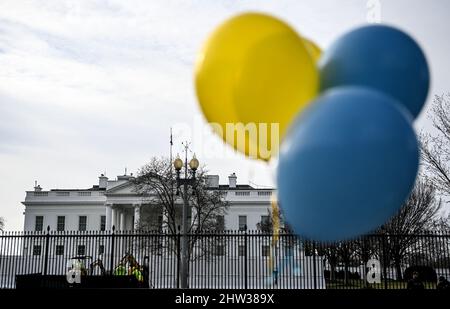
<point x="94" y="212"/>
<point x="252" y="203"/>
<point x="71" y="213"/>
<point x="253" y="213"/>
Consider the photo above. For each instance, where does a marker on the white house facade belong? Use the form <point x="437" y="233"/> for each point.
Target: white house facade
<point x="228" y="260"/>
<point x="115" y="203"/>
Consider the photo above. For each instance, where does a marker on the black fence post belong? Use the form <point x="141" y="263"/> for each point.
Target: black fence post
<point x="42" y="253"/>
<point x="47" y="245"/>
<point x="385" y="260"/>
<point x="111" y="262"/>
<point x="314" y="265"/>
<point x="178" y="256"/>
<point x="245" y="259"/>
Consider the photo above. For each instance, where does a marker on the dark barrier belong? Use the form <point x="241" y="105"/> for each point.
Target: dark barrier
<point x="37" y="281"/>
<point x="220" y="260"/>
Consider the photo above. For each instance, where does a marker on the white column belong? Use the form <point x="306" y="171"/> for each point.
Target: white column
<point x="137" y="215"/>
<point x="122" y="220"/>
<point x="165" y="220"/>
<point x="118" y="212"/>
<point x="108" y="217"/>
<point x="113" y="217"/>
<point x="194" y="219"/>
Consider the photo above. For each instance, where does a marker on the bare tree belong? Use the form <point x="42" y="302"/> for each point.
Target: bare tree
<point x="365" y="248"/>
<point x="418" y="215"/>
<point x="2" y="224"/>
<point x="346" y="253"/>
<point x="285" y="236"/>
<point x="332" y="257"/>
<point x="435" y="152"/>
<point x="156" y="183"/>
<point x="266" y="225"/>
<point x="438" y="248"/>
<point x="209" y="205"/>
<point x="435" y="149"/>
<point x="442" y="225"/>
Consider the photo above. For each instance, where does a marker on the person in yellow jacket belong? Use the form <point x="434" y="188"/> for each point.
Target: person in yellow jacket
<point x="137" y="273"/>
<point x="120" y="270"/>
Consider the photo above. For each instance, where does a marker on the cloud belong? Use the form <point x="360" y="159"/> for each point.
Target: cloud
<point x="89" y="85"/>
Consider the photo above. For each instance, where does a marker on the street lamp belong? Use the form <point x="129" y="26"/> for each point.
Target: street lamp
<point x="193" y="164"/>
<point x="186" y="181"/>
<point x="178" y="164"/>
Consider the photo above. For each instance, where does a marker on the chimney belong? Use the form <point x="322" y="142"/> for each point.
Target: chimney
<point x="37" y="188"/>
<point x="232" y="180"/>
<point x="212" y="181"/>
<point x="102" y="181"/>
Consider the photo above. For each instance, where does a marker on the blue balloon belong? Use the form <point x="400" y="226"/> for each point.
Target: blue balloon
<point x="379" y="57"/>
<point x="347" y="164"/>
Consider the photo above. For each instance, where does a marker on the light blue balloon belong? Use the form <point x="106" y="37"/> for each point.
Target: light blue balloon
<point x="347" y="164"/>
<point x="380" y="57"/>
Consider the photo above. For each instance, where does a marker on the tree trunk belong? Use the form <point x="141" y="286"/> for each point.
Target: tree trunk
<point x="346" y="274"/>
<point x="333" y="272"/>
<point x="398" y="269"/>
<point x="366" y="271"/>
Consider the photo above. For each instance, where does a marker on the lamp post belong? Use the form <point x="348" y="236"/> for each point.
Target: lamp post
<point x="186" y="181"/>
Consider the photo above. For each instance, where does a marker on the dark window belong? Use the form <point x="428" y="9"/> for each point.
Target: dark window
<point x="59" y="250"/>
<point x="37" y="250"/>
<point x="39" y="223"/>
<point x="61" y="224"/>
<point x="241" y="250"/>
<point x="101" y="249"/>
<point x="220" y="223"/>
<point x="265" y="224"/>
<point x="102" y="223"/>
<point x="265" y="250"/>
<point x="242" y="223"/>
<point x="82" y="223"/>
<point x="81" y="250"/>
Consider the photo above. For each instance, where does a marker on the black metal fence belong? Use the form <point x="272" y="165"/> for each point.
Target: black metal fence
<point x="229" y="259"/>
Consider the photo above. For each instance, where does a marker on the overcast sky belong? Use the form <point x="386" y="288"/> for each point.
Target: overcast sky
<point x="89" y="86"/>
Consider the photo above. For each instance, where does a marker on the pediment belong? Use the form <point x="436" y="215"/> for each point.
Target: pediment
<point x="126" y="188"/>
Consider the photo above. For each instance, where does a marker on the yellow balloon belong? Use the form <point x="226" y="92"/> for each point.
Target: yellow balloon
<point x="314" y="49"/>
<point x="253" y="74"/>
